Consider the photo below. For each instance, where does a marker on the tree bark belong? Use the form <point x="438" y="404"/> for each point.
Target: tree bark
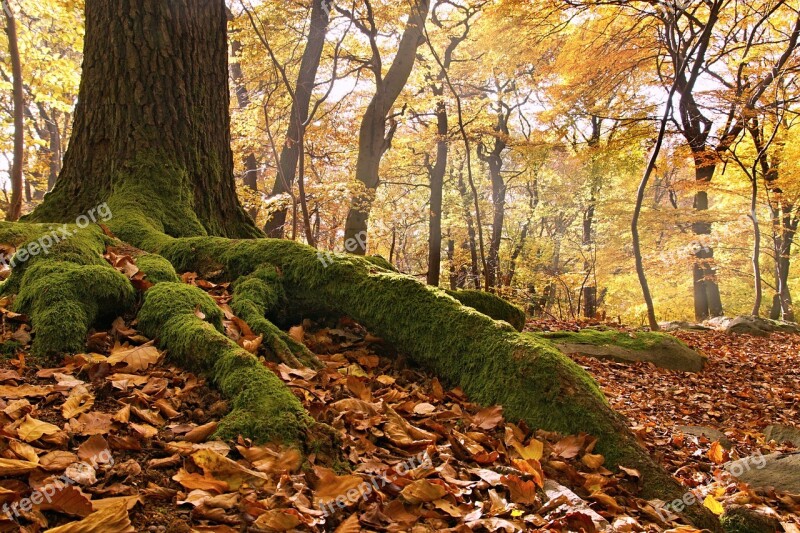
<point x="494" y="159"/>
<point x="154" y="95"/>
<point x="298" y="115"/>
<point x="377" y="130"/>
<point x="436" y="174"/>
<point x="15" y="206"/>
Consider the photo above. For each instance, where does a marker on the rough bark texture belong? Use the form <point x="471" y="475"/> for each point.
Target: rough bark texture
<point x="298" y="115"/>
<point x="151" y="94"/>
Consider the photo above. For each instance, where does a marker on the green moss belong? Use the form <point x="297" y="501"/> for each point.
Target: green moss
<point x="67" y="289"/>
<point x="640" y="340"/>
<point x="10" y="348"/>
<point x="262" y="406"/>
<point x="740" y="519"/>
<point x="156" y="268"/>
<point x="492" y="306"/>
<point x="259" y="294"/>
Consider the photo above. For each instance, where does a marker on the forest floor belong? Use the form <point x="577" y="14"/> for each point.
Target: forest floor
<point x="119" y="440"/>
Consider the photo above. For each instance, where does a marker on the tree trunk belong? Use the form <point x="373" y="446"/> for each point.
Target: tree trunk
<point x="436" y="174"/>
<point x="250" y="177"/>
<point x="55" y="149"/>
<point x="377" y="129"/>
<point x="298" y="115"/>
<point x="707" y="300"/>
<point x="15" y="206"/>
<point x="126" y="120"/>
<point x="473" y="247"/>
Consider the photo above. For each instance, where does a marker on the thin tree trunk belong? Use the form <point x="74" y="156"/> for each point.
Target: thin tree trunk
<point x="15" y="206"/>
<point x="756" y="247"/>
<point x="473" y="249"/>
<point x="298" y="115"/>
<point x="436" y="174"/>
<point x="377" y="129"/>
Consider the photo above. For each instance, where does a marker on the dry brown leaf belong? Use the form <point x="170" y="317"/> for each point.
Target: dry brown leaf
<point x="69" y="500"/>
<point x="15" y="467"/>
<point x="350" y="525"/>
<point x="113" y="519"/>
<point x="135" y="359"/>
<point x="278" y="520"/>
<point x="196" y="481"/>
<point x="422" y="491"/>
<point x="80" y="400"/>
<point x="231" y="472"/>
<point x="201" y="433"/>
<point x="328" y="485"/>
<point x="32" y="429"/>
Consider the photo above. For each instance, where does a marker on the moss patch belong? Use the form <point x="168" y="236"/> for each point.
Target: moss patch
<point x="67" y="289"/>
<point x="156" y="268"/>
<point x="491" y="305"/>
<point x="262" y="407"/>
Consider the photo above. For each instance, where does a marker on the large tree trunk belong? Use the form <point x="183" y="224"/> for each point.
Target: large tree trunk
<point x="298" y="115"/>
<point x="153" y="104"/>
<point x="167" y="178"/>
<point x="15" y="207"/>
<point x="375" y="135"/>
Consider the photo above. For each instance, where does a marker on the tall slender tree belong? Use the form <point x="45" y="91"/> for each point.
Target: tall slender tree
<point x="15" y="207"/>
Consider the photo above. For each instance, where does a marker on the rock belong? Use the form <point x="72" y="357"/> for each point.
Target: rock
<point x="739" y="519"/>
<point x="677" y="325"/>
<point x="709" y="433"/>
<point x="667" y="353"/>
<point x="781" y="434"/>
<point x="750" y="325"/>
<point x="780" y="471"/>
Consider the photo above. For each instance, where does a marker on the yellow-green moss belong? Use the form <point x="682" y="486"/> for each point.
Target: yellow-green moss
<point x="640" y="340"/>
<point x="66" y="290"/>
<point x="491" y="305"/>
<point x="156" y="268"/>
<point x="262" y="407"/>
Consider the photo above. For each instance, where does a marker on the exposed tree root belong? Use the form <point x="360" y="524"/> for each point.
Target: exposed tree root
<point x="491" y="305"/>
<point x="67" y="289"/>
<point x="490" y="361"/>
<point x="260" y="293"/>
<point x="262" y="407"/>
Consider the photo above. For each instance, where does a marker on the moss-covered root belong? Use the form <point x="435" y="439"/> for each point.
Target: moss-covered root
<point x="66" y="288"/>
<point x="256" y="295"/>
<point x="262" y="407"/>
<point x="492" y="306"/>
<point x="491" y="362"/>
<point x="157" y="269"/>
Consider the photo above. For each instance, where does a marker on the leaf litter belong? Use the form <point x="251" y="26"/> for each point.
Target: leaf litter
<point x="127" y="441"/>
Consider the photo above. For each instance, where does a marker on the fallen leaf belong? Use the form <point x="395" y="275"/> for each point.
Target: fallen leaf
<point x="113" y="519"/>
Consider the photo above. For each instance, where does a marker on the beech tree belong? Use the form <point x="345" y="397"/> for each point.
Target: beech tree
<point x="156" y="157"/>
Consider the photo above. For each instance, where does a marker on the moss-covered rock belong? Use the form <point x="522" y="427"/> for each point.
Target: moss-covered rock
<point x="664" y="351"/>
<point x="491" y="305"/>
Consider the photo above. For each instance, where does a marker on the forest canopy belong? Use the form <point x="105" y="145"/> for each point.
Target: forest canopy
<point x="495" y="144"/>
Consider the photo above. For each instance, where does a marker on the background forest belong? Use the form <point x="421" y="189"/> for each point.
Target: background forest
<point x="511" y="138"/>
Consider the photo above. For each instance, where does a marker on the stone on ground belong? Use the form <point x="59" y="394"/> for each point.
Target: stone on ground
<point x="780" y="471"/>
